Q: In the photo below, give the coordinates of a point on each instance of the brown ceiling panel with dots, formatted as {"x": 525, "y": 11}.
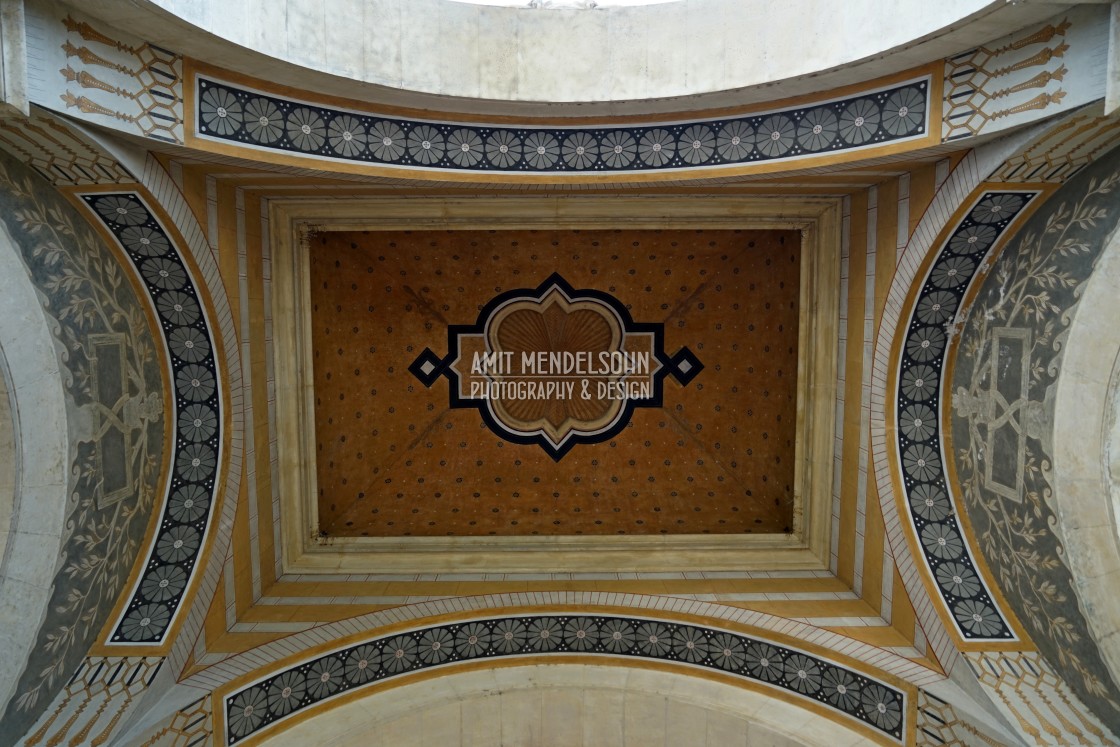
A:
{"x": 395, "y": 458}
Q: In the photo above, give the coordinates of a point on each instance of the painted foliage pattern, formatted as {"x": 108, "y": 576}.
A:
{"x": 919, "y": 401}
{"x": 96, "y": 315}
{"x": 1003, "y": 388}
{"x": 247, "y": 117}
{"x": 873, "y": 703}
{"x": 198, "y": 419}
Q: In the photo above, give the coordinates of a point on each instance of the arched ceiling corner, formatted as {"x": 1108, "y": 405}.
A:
{"x": 92, "y": 432}
{"x": 940, "y": 308}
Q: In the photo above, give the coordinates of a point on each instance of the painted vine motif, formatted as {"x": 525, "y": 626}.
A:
{"x": 1003, "y": 387}
{"x": 113, "y": 387}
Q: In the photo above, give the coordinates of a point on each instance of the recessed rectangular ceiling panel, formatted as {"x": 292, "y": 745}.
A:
{"x": 554, "y": 382}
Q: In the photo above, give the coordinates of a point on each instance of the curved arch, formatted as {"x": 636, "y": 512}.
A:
{"x": 8, "y": 446}
{"x": 646, "y": 57}
{"x": 602, "y": 703}
{"x": 257, "y": 117}
{"x": 199, "y": 403}
{"x": 37, "y": 528}
{"x": 290, "y": 690}
{"x": 1085, "y": 459}
{"x": 166, "y": 194}
{"x": 242, "y": 666}
{"x": 959, "y": 187}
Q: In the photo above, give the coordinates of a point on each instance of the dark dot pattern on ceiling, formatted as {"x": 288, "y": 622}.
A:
{"x": 393, "y": 460}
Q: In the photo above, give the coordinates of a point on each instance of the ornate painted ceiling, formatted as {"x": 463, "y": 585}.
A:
{"x": 318, "y": 400}
{"x": 394, "y": 457}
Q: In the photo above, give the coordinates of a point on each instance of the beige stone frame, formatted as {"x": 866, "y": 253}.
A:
{"x": 807, "y": 547}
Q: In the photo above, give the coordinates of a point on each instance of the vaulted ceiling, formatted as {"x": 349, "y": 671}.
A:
{"x": 265, "y": 488}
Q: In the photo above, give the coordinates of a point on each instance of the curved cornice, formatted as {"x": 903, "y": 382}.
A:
{"x": 444, "y": 56}
{"x": 257, "y": 120}
{"x": 702, "y": 637}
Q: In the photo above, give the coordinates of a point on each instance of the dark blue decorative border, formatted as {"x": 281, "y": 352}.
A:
{"x": 919, "y": 399}
{"x": 197, "y": 415}
{"x": 256, "y": 707}
{"x": 235, "y": 114}
{"x": 684, "y": 366}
